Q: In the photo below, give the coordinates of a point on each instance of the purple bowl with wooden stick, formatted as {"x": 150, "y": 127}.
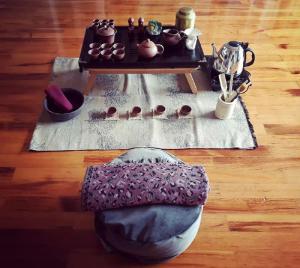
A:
{"x": 57, "y": 114}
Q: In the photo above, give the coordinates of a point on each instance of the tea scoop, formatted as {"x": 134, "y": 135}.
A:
{"x": 223, "y": 84}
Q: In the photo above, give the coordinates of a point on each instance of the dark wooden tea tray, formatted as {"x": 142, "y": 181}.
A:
{"x": 173, "y": 57}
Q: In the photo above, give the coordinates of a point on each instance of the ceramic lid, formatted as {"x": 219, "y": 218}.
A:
{"x": 148, "y": 44}
{"x": 106, "y": 31}
{"x": 186, "y": 10}
{"x": 234, "y": 43}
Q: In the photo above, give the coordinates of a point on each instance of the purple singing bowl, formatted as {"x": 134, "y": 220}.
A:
{"x": 56, "y": 114}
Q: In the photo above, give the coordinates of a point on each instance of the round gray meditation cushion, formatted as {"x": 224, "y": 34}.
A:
{"x": 149, "y": 233}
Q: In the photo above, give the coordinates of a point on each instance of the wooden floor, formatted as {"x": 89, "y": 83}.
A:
{"x": 252, "y": 218}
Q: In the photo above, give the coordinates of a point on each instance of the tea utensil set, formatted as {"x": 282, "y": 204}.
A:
{"x": 136, "y": 113}
{"x": 243, "y": 88}
{"x": 229, "y": 94}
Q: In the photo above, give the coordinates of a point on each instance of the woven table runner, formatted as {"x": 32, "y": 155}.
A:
{"x": 89, "y": 131}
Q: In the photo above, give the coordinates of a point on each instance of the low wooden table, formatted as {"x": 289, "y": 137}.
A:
{"x": 175, "y": 59}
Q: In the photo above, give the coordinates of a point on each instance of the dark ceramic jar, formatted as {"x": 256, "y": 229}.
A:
{"x": 107, "y": 34}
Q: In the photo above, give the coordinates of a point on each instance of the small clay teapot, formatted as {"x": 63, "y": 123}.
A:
{"x": 172, "y": 36}
{"x": 148, "y": 49}
{"x": 107, "y": 34}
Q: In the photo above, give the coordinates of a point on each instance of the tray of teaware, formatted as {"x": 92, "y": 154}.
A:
{"x": 177, "y": 56}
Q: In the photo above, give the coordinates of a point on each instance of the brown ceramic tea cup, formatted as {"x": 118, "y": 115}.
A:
{"x": 106, "y": 54}
{"x": 105, "y": 46}
{"x": 185, "y": 110}
{"x": 102, "y": 24}
{"x": 160, "y": 109}
{"x": 94, "y": 53}
{"x": 94, "y": 45}
{"x": 95, "y": 24}
{"x": 118, "y": 46}
{"x": 172, "y": 36}
{"x": 136, "y": 111}
{"x": 119, "y": 54}
{"x": 111, "y": 23}
{"x": 96, "y": 21}
{"x": 111, "y": 111}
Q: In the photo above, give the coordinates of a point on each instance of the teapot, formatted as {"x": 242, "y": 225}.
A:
{"x": 172, "y": 36}
{"x": 107, "y": 34}
{"x": 148, "y": 49}
{"x": 231, "y": 53}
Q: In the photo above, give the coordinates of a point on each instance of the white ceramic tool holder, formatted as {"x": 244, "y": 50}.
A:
{"x": 224, "y": 110}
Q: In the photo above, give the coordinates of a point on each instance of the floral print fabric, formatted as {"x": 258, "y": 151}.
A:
{"x": 134, "y": 184}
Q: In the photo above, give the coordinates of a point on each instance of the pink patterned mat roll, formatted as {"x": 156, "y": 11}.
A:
{"x": 56, "y": 94}
{"x": 128, "y": 185}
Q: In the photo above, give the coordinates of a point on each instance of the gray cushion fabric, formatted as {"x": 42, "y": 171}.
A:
{"x": 145, "y": 155}
{"x": 150, "y": 252}
{"x": 148, "y": 223}
{"x": 155, "y": 232}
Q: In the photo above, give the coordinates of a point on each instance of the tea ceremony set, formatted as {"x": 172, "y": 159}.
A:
{"x": 145, "y": 86}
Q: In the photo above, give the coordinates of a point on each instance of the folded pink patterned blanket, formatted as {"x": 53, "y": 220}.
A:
{"x": 134, "y": 184}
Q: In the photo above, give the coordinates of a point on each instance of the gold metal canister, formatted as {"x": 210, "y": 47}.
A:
{"x": 185, "y": 18}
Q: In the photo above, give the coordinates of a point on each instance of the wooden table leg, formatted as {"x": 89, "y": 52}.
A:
{"x": 191, "y": 82}
{"x": 94, "y": 72}
{"x": 90, "y": 83}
